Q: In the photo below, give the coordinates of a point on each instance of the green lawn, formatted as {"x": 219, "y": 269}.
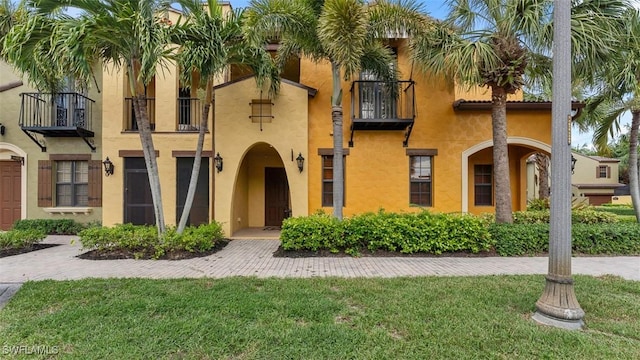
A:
{"x": 250, "y": 318}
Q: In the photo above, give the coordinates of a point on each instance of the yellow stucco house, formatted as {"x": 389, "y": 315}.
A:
{"x": 269, "y": 158}
{"x": 50, "y": 152}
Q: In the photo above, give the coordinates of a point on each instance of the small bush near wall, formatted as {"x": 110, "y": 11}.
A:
{"x": 581, "y": 216}
{"x": 616, "y": 209}
{"x": 405, "y": 233}
{"x": 51, "y": 226}
{"x": 592, "y": 239}
{"x": 18, "y": 239}
{"x": 143, "y": 241}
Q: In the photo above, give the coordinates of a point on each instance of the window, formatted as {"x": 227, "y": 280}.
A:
{"x": 70, "y": 180}
{"x": 72, "y": 183}
{"x": 327, "y": 180}
{"x": 376, "y": 100}
{"x": 603, "y": 171}
{"x": 420, "y": 178}
{"x": 483, "y": 185}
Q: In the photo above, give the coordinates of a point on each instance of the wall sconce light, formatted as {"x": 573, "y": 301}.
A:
{"x": 300, "y": 161}
{"x": 217, "y": 161}
{"x": 2, "y": 128}
{"x": 573, "y": 163}
{"x": 108, "y": 167}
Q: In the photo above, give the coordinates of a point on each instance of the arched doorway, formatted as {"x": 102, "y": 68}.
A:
{"x": 477, "y": 162}
{"x": 261, "y": 196}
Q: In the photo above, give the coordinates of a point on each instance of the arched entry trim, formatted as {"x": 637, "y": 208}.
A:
{"x": 516, "y": 140}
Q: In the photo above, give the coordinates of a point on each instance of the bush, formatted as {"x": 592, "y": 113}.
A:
{"x": 18, "y": 239}
{"x": 143, "y": 241}
{"x": 616, "y": 209}
{"x": 532, "y": 239}
{"x": 51, "y": 226}
{"x": 581, "y": 216}
{"x": 406, "y": 233}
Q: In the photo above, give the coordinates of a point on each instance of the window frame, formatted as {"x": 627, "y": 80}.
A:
{"x": 74, "y": 184}
{"x": 428, "y": 194}
{"x": 488, "y": 171}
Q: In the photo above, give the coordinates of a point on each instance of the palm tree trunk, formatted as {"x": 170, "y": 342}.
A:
{"x": 542, "y": 163}
{"x": 633, "y": 163}
{"x": 338, "y": 168}
{"x": 195, "y": 171}
{"x": 144, "y": 129}
{"x": 501, "y": 156}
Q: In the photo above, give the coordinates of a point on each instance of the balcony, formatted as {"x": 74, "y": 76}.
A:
{"x": 56, "y": 115}
{"x": 130, "y": 123}
{"x": 189, "y": 114}
{"x": 378, "y": 105}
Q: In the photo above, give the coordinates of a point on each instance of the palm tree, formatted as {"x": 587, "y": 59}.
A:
{"x": 495, "y": 43}
{"x": 127, "y": 34}
{"x": 621, "y": 93}
{"x": 347, "y": 34}
{"x": 210, "y": 42}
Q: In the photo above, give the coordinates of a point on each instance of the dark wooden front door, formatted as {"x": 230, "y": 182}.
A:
{"x": 276, "y": 196}
{"x": 138, "y": 203}
{"x": 10, "y": 192}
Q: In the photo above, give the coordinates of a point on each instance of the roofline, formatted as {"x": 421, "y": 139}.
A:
{"x": 11, "y": 85}
{"x": 312, "y": 92}
{"x": 462, "y": 104}
{"x": 598, "y": 186}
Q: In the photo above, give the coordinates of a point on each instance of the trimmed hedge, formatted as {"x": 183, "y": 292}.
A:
{"x": 18, "y": 239}
{"x": 617, "y": 209}
{"x": 582, "y": 216}
{"x": 592, "y": 239}
{"x": 143, "y": 241}
{"x": 51, "y": 226}
{"x": 406, "y": 233}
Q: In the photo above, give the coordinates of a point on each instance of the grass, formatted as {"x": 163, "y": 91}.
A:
{"x": 250, "y": 318}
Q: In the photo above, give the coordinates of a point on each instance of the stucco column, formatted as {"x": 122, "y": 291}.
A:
{"x": 558, "y": 305}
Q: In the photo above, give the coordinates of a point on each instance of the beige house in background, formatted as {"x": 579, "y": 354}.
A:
{"x": 50, "y": 152}
{"x": 595, "y": 179}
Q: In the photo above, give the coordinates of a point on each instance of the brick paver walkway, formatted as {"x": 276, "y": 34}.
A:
{"x": 254, "y": 258}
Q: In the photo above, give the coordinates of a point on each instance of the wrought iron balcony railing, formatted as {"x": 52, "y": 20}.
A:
{"x": 57, "y": 115}
{"x": 130, "y": 123}
{"x": 380, "y": 105}
{"x": 189, "y": 114}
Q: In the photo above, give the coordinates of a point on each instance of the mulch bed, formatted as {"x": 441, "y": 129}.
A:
{"x": 368, "y": 253}
{"x": 126, "y": 254}
{"x": 26, "y": 249}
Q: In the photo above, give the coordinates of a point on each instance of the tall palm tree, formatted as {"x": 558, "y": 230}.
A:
{"x": 495, "y": 43}
{"x": 346, "y": 33}
{"x": 126, "y": 34}
{"x": 210, "y": 42}
{"x": 619, "y": 94}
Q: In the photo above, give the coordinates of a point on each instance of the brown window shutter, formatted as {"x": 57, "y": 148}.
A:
{"x": 45, "y": 193}
{"x": 597, "y": 172}
{"x": 95, "y": 183}
{"x": 608, "y": 172}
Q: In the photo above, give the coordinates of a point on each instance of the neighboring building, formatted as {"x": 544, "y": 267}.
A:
{"x": 594, "y": 179}
{"x": 429, "y": 149}
{"x": 50, "y": 152}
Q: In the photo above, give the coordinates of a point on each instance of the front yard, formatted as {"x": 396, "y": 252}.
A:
{"x": 250, "y": 318}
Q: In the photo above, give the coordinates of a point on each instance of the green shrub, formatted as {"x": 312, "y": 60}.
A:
{"x": 616, "y": 209}
{"x": 581, "y": 216}
{"x": 538, "y": 204}
{"x": 18, "y": 239}
{"x": 143, "y": 241}
{"x": 315, "y": 232}
{"x": 602, "y": 238}
{"x": 51, "y": 226}
{"x": 406, "y": 233}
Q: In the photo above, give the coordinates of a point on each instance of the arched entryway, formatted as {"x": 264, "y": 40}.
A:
{"x": 477, "y": 177}
{"x": 13, "y": 185}
{"x": 261, "y": 196}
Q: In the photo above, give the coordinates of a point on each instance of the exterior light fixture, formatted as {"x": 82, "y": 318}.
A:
{"x": 2, "y": 129}
{"x": 573, "y": 163}
{"x": 217, "y": 161}
{"x": 108, "y": 167}
{"x": 300, "y": 161}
